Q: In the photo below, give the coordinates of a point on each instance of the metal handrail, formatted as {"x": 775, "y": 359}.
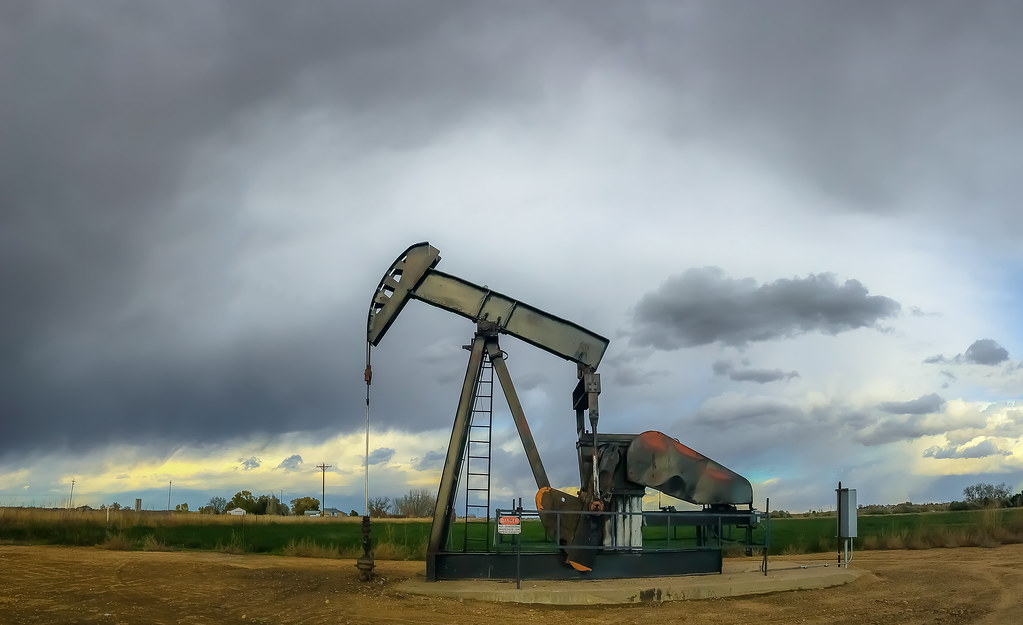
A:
{"x": 717, "y": 519}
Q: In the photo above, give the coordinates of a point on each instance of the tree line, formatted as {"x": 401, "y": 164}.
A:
{"x": 985, "y": 495}
{"x": 417, "y": 503}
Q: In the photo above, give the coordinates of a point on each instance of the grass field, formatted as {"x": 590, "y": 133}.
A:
{"x": 401, "y": 539}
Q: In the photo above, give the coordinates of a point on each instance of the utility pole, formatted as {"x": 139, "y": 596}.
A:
{"x": 169, "y": 482}
{"x": 323, "y": 470}
{"x": 71, "y": 498}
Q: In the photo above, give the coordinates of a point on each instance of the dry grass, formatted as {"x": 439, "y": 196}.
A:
{"x": 895, "y": 540}
{"x": 117, "y": 542}
{"x": 795, "y": 548}
{"x": 152, "y": 543}
{"x": 987, "y": 533}
{"x": 825, "y": 544}
{"x": 733, "y": 551}
{"x": 391, "y": 551}
{"x": 234, "y": 545}
{"x": 383, "y": 551}
{"x": 309, "y": 549}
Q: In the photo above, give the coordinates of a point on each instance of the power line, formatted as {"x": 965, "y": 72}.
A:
{"x": 323, "y": 495}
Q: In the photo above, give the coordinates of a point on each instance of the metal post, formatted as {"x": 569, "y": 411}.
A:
{"x": 838, "y": 520}
{"x": 518, "y": 548}
{"x": 365, "y": 563}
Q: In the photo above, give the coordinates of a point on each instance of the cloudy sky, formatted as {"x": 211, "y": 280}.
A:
{"x": 797, "y": 222}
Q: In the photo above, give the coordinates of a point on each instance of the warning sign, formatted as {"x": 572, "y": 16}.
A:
{"x": 509, "y": 525}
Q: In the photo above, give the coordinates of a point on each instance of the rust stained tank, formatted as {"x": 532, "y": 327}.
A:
{"x": 656, "y": 460}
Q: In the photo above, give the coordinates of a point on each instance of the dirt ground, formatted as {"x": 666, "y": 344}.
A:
{"x": 89, "y": 585}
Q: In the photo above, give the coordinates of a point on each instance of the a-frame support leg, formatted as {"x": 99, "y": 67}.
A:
{"x": 453, "y": 461}
{"x": 483, "y": 342}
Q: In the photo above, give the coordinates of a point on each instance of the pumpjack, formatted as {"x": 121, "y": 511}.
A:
{"x": 599, "y": 530}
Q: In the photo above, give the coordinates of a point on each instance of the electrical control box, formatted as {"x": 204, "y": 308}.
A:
{"x": 847, "y": 513}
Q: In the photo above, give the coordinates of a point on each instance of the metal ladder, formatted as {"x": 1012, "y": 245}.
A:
{"x": 477, "y": 462}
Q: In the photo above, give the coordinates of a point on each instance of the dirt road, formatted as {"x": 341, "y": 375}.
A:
{"x": 87, "y": 585}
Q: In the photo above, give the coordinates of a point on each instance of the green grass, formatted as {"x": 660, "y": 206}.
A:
{"x": 406, "y": 540}
{"x": 922, "y": 530}
{"x": 395, "y": 539}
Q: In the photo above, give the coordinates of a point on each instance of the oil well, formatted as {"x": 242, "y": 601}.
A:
{"x": 603, "y": 530}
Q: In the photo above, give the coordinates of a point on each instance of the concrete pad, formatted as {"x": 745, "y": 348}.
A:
{"x": 737, "y": 579}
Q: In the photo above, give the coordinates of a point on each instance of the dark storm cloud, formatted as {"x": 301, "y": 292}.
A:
{"x": 867, "y": 101}
{"x": 759, "y": 411}
{"x": 980, "y": 352}
{"x": 381, "y": 455}
{"x": 290, "y": 463}
{"x": 111, "y": 269}
{"x": 703, "y": 306}
{"x": 633, "y": 376}
{"x": 628, "y": 367}
{"x": 760, "y": 376}
{"x": 890, "y": 428}
{"x": 982, "y": 449}
{"x": 257, "y": 386}
{"x": 986, "y": 352}
{"x": 431, "y": 460}
{"x": 104, "y": 111}
{"x": 924, "y": 404}
{"x": 753, "y": 421}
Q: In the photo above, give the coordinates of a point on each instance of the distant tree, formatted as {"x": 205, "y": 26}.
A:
{"x": 269, "y": 505}
{"x": 244, "y": 500}
{"x": 276, "y": 506}
{"x": 181, "y": 507}
{"x": 113, "y": 506}
{"x": 260, "y": 506}
{"x": 217, "y": 504}
{"x": 378, "y": 506}
{"x": 987, "y": 494}
{"x": 300, "y": 505}
{"x": 353, "y": 513}
{"x": 417, "y": 503}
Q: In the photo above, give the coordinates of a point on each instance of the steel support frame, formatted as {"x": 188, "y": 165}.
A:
{"x": 442, "y": 564}
{"x": 485, "y": 340}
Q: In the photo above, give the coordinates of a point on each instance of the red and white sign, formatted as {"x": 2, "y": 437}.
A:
{"x": 509, "y": 525}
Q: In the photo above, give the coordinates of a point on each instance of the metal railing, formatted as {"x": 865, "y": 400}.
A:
{"x": 660, "y": 530}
